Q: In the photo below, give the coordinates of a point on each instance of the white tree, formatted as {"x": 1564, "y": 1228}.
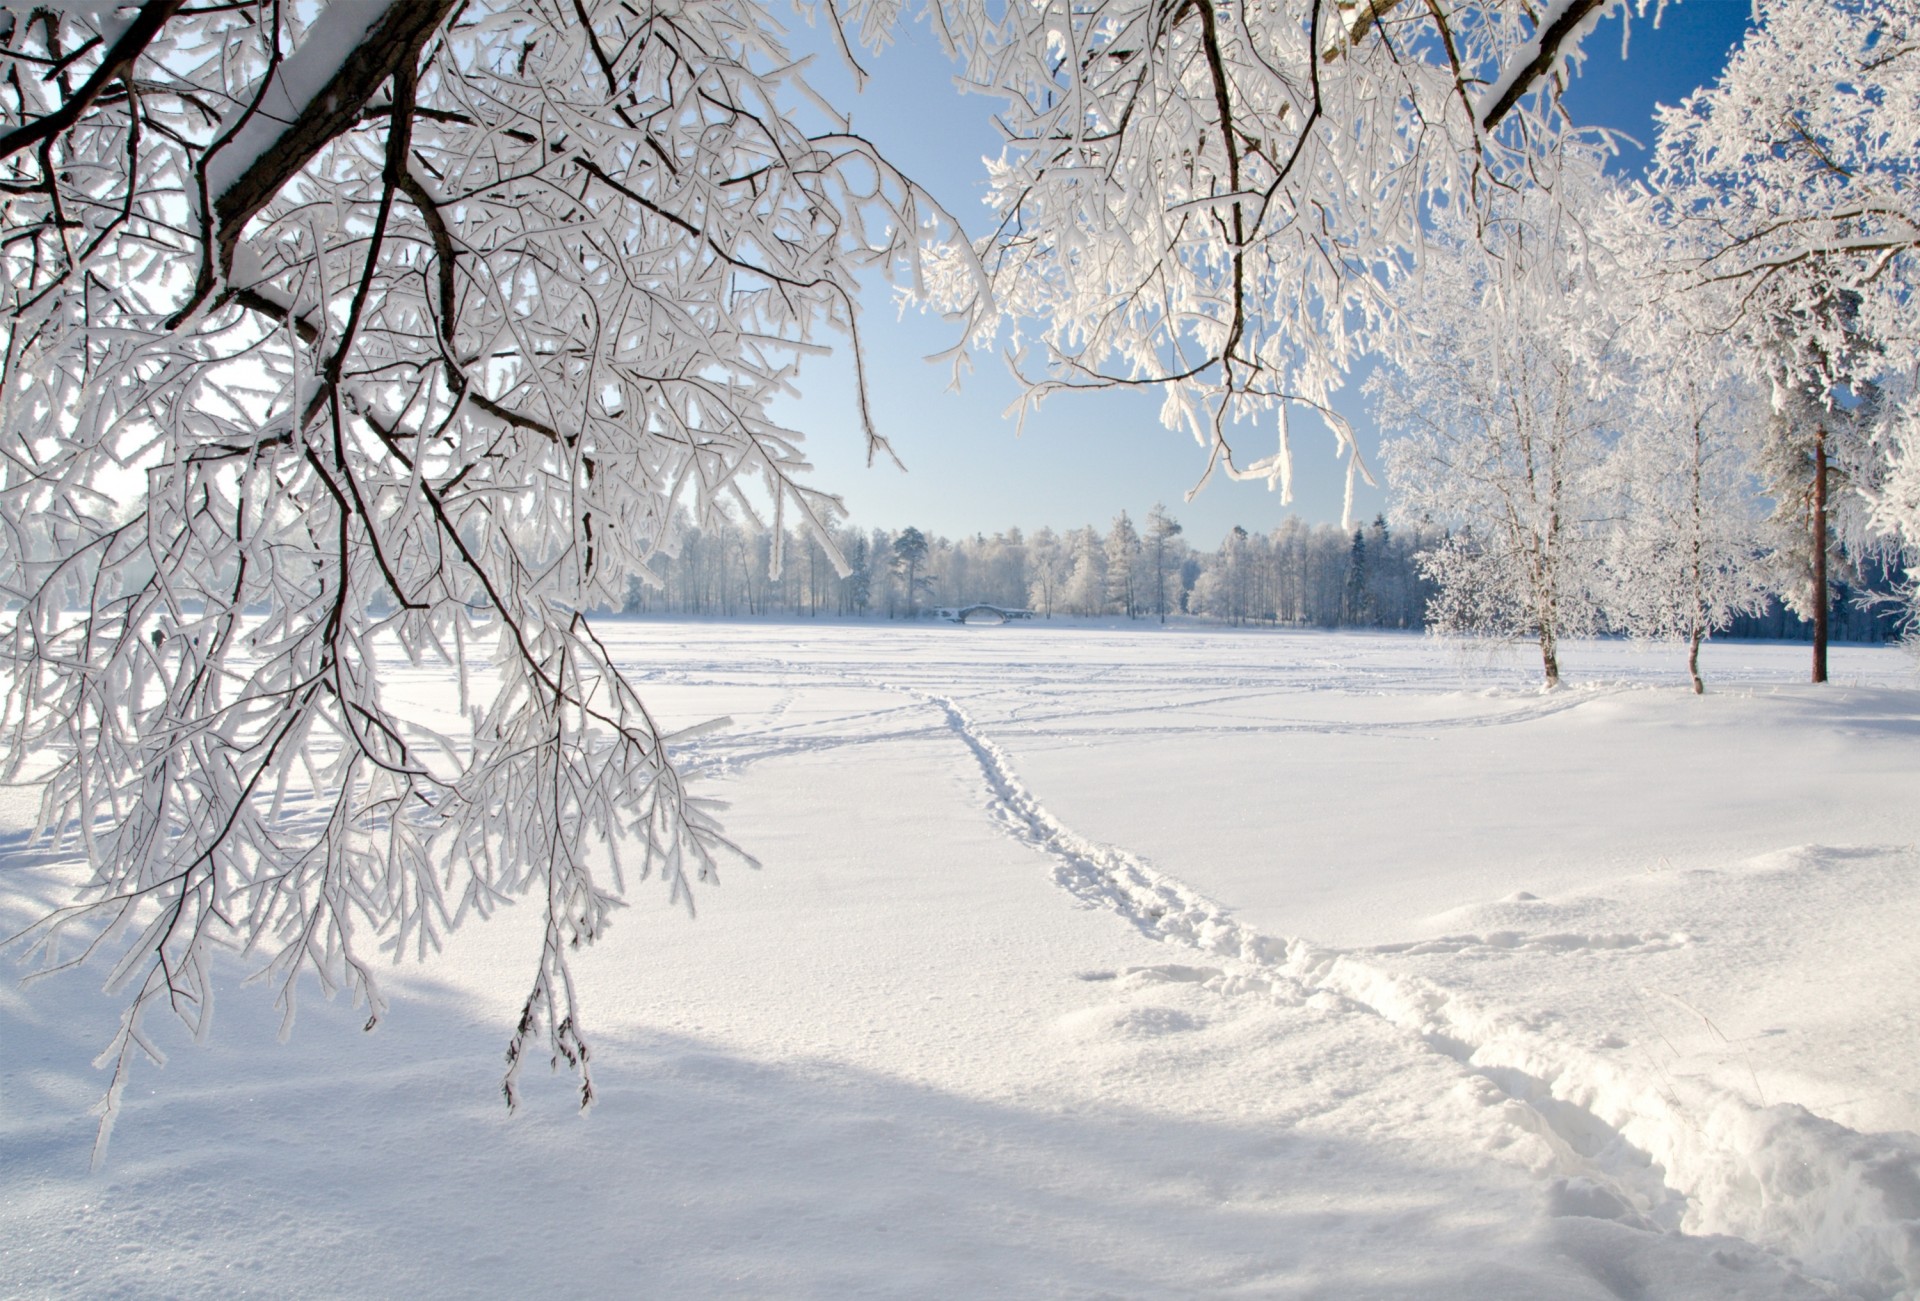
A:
{"x": 1123, "y": 567}
{"x": 386, "y": 325}
{"x": 1500, "y": 398}
{"x": 1785, "y": 195}
{"x": 1050, "y": 562}
{"x": 1686, "y": 552}
{"x": 1790, "y": 177}
{"x": 1162, "y": 529}
{"x": 1086, "y": 590}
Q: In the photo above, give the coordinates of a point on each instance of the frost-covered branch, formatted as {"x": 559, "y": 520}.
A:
{"x": 386, "y": 331}
{"x": 1210, "y": 199}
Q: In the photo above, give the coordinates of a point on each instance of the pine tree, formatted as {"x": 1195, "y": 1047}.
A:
{"x": 1357, "y": 574}
{"x": 909, "y": 554}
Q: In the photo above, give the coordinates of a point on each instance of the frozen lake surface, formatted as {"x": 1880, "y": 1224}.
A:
{"x": 1103, "y": 961}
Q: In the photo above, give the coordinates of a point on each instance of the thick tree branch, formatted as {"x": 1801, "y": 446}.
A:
{"x": 1546, "y": 53}
{"x": 117, "y": 65}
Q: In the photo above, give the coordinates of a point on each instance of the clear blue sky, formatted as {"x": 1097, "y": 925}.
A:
{"x": 1085, "y": 457}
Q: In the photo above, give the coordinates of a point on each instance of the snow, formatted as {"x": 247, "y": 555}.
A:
{"x": 1102, "y": 961}
{"x": 300, "y": 80}
{"x": 1520, "y": 62}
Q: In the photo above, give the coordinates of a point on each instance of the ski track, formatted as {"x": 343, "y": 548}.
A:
{"x": 734, "y": 754}
{"x": 1670, "y": 1156}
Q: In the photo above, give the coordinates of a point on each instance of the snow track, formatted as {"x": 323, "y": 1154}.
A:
{"x": 1654, "y": 1154}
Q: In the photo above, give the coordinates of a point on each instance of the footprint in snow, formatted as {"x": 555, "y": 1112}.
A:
{"x": 1118, "y": 1021}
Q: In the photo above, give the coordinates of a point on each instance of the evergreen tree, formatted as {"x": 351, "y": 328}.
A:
{"x": 1356, "y": 599}
{"x": 909, "y": 554}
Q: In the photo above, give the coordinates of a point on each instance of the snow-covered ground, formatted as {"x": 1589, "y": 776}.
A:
{"x": 1094, "y": 962}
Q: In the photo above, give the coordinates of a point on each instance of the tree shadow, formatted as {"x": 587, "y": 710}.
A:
{"x": 341, "y": 1163}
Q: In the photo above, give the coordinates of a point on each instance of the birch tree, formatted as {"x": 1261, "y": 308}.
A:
{"x": 1050, "y": 562}
{"x": 1499, "y": 403}
{"x": 1086, "y": 590}
{"x": 1686, "y": 552}
{"x": 1123, "y": 566}
{"x": 1162, "y": 529}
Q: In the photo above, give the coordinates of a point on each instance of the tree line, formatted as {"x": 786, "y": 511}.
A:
{"x": 1301, "y": 574}
{"x": 1297, "y": 574}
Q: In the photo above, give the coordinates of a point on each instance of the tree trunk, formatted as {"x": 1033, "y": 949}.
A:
{"x": 1820, "y": 599}
{"x": 1550, "y": 658}
{"x": 1701, "y": 616}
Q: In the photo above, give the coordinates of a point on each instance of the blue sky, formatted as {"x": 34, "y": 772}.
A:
{"x": 1085, "y": 457}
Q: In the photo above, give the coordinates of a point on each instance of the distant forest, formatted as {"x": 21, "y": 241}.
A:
{"x": 1298, "y": 575}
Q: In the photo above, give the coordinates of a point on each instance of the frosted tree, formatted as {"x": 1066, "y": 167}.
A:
{"x": 1686, "y": 553}
{"x": 1355, "y": 608}
{"x": 1816, "y": 461}
{"x": 1162, "y": 529}
{"x": 1500, "y": 405}
{"x": 910, "y": 550}
{"x": 1086, "y": 592}
{"x": 856, "y": 589}
{"x": 1785, "y": 194}
{"x": 1896, "y": 507}
{"x": 383, "y": 327}
{"x": 1123, "y": 567}
{"x": 1225, "y": 589}
{"x": 1049, "y": 563}
{"x": 1790, "y": 178}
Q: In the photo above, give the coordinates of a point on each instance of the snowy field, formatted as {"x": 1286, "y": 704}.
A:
{"x": 1103, "y": 962}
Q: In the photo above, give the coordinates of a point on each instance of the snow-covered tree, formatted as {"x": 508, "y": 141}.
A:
{"x": 1685, "y": 554}
{"x": 1785, "y": 193}
{"x": 1225, "y": 589}
{"x": 1162, "y": 529}
{"x": 1354, "y": 607}
{"x": 1086, "y": 591}
{"x": 1206, "y": 199}
{"x": 1790, "y": 178}
{"x": 910, "y": 550}
{"x": 330, "y": 332}
{"x": 1815, "y": 459}
{"x": 1123, "y": 567}
{"x": 856, "y": 589}
{"x": 1049, "y": 562}
{"x": 1500, "y": 400}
